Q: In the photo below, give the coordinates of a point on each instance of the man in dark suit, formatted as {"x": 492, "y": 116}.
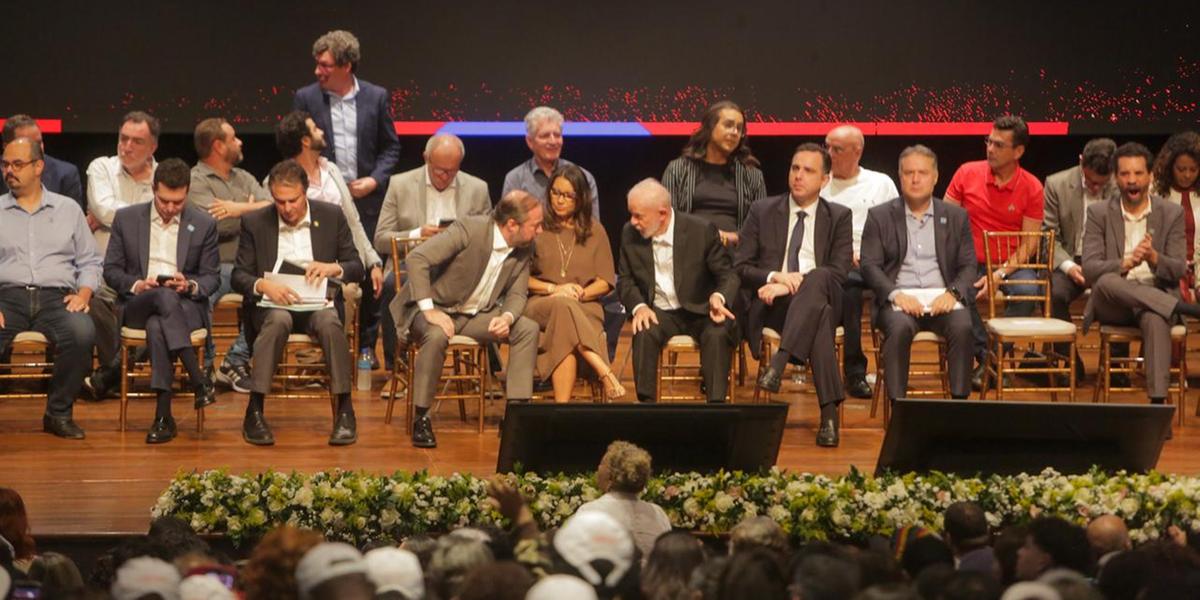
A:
{"x": 674, "y": 278}
{"x": 795, "y": 251}
{"x": 918, "y": 242}
{"x": 471, "y": 279}
{"x": 59, "y": 176}
{"x": 312, "y": 234}
{"x": 360, "y": 138}
{"x": 163, "y": 262}
{"x": 1133, "y": 258}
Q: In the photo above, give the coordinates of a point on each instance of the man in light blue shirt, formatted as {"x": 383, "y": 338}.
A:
{"x": 49, "y": 269}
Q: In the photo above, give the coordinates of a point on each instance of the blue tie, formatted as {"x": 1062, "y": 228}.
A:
{"x": 793, "y": 250}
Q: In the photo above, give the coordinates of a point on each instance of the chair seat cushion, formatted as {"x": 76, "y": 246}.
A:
{"x": 1030, "y": 326}
{"x": 774, "y": 336}
{"x": 30, "y": 337}
{"x": 682, "y": 341}
{"x": 1177, "y": 331}
{"x": 230, "y": 299}
{"x": 928, "y": 336}
{"x": 130, "y": 333}
{"x": 462, "y": 340}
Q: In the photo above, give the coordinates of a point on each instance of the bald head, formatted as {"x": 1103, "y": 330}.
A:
{"x": 1108, "y": 533}
{"x": 443, "y": 157}
{"x": 649, "y": 205}
{"x": 845, "y": 144}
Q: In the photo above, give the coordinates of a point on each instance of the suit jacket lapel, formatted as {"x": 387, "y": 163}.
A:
{"x": 779, "y": 231}
{"x": 900, "y": 222}
{"x": 821, "y": 228}
{"x": 677, "y": 250}
{"x": 270, "y": 240}
{"x": 940, "y": 233}
{"x": 1155, "y": 227}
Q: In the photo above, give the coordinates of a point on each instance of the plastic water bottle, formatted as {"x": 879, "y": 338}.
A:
{"x": 364, "y": 372}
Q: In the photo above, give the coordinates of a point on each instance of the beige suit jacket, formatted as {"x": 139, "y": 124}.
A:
{"x": 404, "y": 206}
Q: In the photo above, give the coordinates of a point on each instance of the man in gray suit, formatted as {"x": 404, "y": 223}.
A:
{"x": 164, "y": 263}
{"x": 1068, "y": 195}
{"x": 919, "y": 242}
{"x": 471, "y": 280}
{"x": 1133, "y": 258}
{"x": 420, "y": 203}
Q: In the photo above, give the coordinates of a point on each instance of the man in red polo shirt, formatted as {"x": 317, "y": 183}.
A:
{"x": 999, "y": 195}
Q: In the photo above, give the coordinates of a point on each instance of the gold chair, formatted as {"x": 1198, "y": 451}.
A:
{"x": 131, "y": 369}
{"x": 27, "y": 362}
{"x": 670, "y": 372}
{"x": 1039, "y": 330}
{"x": 930, "y": 368}
{"x": 467, "y": 372}
{"x": 770, "y": 343}
{"x": 1112, "y": 334}
{"x": 226, "y": 323}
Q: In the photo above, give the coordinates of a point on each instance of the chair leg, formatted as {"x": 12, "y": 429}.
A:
{"x": 408, "y": 389}
{"x": 199, "y": 411}
{"x": 124, "y": 384}
{"x": 1071, "y": 370}
{"x": 1105, "y": 382}
{"x": 481, "y": 369}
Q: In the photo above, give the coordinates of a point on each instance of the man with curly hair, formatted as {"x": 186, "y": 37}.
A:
{"x": 622, "y": 476}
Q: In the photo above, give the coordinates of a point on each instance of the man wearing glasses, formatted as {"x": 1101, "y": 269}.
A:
{"x": 49, "y": 269}
{"x": 999, "y": 195}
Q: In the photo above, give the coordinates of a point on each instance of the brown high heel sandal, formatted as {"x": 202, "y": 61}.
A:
{"x": 613, "y": 390}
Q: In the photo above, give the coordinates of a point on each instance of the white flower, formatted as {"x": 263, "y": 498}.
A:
{"x": 691, "y": 507}
{"x": 777, "y": 513}
{"x": 723, "y": 502}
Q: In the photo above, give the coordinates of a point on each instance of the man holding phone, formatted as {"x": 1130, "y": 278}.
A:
{"x": 164, "y": 263}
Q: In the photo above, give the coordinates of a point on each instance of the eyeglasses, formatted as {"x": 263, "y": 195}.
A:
{"x": 997, "y": 144}
{"x": 562, "y": 194}
{"x": 15, "y": 165}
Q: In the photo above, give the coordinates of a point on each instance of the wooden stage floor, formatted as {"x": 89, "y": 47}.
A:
{"x": 108, "y": 482}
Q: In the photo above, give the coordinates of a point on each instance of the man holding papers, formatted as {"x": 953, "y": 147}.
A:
{"x": 919, "y": 259}
{"x": 316, "y": 236}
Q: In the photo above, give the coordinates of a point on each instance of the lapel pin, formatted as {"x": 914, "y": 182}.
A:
{"x": 316, "y": 223}
{"x": 191, "y": 228}
{"x": 942, "y": 220}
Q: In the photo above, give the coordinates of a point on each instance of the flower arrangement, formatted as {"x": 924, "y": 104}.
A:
{"x": 360, "y": 507}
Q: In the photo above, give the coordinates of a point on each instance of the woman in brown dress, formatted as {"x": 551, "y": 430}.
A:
{"x": 572, "y": 270}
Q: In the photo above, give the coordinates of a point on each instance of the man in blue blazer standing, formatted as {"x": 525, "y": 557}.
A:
{"x": 361, "y": 140}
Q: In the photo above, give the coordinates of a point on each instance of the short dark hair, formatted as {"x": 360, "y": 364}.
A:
{"x": 207, "y": 131}
{"x": 1097, "y": 156}
{"x": 13, "y": 123}
{"x": 1015, "y": 124}
{"x": 826, "y": 160}
{"x": 288, "y": 172}
{"x": 173, "y": 173}
{"x": 1132, "y": 149}
{"x": 515, "y": 205}
{"x": 150, "y": 120}
{"x": 921, "y": 150}
{"x": 966, "y": 524}
{"x": 290, "y": 133}
{"x": 1065, "y": 542}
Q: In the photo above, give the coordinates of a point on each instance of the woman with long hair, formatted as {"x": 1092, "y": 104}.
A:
{"x": 1177, "y": 178}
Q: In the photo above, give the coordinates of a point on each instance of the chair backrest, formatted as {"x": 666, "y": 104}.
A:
{"x": 1030, "y": 251}
{"x": 401, "y": 246}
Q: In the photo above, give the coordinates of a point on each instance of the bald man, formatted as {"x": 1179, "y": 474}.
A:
{"x": 858, "y": 189}
{"x": 420, "y": 204}
{"x": 1108, "y": 537}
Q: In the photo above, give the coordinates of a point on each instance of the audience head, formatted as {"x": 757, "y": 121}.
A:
{"x": 544, "y": 134}
{"x": 965, "y": 527}
{"x": 333, "y": 571}
{"x": 1006, "y": 142}
{"x": 501, "y": 580}
{"x": 22, "y": 166}
{"x": 270, "y": 573}
{"x": 624, "y": 468}
{"x": 970, "y": 585}
{"x": 926, "y": 552}
{"x": 14, "y": 522}
{"x": 649, "y": 205}
{"x": 845, "y": 144}
{"x": 825, "y": 576}
{"x": 598, "y": 549}
{"x": 1107, "y": 534}
{"x": 670, "y": 565}
{"x": 1178, "y": 164}
{"x": 337, "y": 54}
{"x": 57, "y": 574}
{"x": 171, "y": 181}
{"x": 422, "y": 546}
{"x": 289, "y": 190}
{"x": 519, "y": 216}
{"x": 809, "y": 172}
{"x": 721, "y": 136}
{"x": 217, "y": 143}
{"x": 1053, "y": 543}
{"x": 144, "y": 577}
{"x": 756, "y": 572}
{"x": 396, "y": 570}
{"x": 918, "y": 172}
{"x": 296, "y": 132}
{"x": 1007, "y": 544}
{"x": 1132, "y": 169}
{"x": 454, "y": 557}
{"x": 22, "y": 126}
{"x": 758, "y": 532}
{"x": 569, "y": 198}
{"x": 137, "y": 141}
{"x": 1096, "y": 164}
{"x": 561, "y": 587}
{"x": 888, "y": 591}
{"x": 443, "y": 156}
{"x": 204, "y": 587}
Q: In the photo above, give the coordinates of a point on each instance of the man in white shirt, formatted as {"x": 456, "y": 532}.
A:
{"x": 472, "y": 279}
{"x": 858, "y": 189}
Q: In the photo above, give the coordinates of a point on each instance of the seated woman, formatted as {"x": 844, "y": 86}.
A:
{"x": 571, "y": 271}
{"x": 1176, "y": 171}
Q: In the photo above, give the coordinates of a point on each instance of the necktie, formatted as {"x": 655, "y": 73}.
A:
{"x": 793, "y": 250}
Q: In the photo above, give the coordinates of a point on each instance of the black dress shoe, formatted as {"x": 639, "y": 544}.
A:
{"x": 1118, "y": 380}
{"x": 770, "y": 380}
{"x": 422, "y": 433}
{"x": 63, "y": 427}
{"x": 345, "y": 430}
{"x": 827, "y": 437}
{"x": 206, "y": 394}
{"x": 858, "y": 387}
{"x": 162, "y": 431}
{"x": 255, "y": 429}
{"x": 98, "y": 387}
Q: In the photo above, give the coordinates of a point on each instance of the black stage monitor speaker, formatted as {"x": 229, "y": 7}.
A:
{"x": 970, "y": 437}
{"x": 571, "y": 438}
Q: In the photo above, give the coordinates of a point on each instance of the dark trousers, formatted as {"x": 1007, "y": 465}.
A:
{"x": 169, "y": 320}
{"x": 716, "y": 342}
{"x": 272, "y": 333}
{"x": 103, "y": 311}
{"x": 387, "y": 324}
{"x": 854, "y": 362}
{"x": 807, "y": 331}
{"x": 73, "y": 335}
{"x": 899, "y": 329}
{"x": 1011, "y": 309}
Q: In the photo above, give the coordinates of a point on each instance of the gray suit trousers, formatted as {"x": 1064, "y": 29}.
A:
{"x": 898, "y": 331}
{"x": 1119, "y": 301}
{"x": 522, "y": 352}
{"x": 278, "y": 324}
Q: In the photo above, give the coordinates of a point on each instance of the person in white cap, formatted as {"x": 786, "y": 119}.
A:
{"x": 396, "y": 570}
{"x": 143, "y": 576}
{"x": 204, "y": 587}
{"x": 598, "y": 549}
{"x": 561, "y": 587}
{"x": 333, "y": 571}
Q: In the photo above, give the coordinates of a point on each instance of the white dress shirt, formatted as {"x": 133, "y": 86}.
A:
{"x": 860, "y": 193}
{"x": 808, "y": 256}
{"x": 662, "y": 246}
{"x": 164, "y": 244}
{"x": 487, "y": 283}
{"x": 439, "y": 204}
{"x": 295, "y": 241}
{"x": 343, "y": 114}
{"x": 323, "y": 188}
{"x": 109, "y": 188}
{"x": 1135, "y": 231}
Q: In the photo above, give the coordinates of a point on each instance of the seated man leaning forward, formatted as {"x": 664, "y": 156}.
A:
{"x": 472, "y": 279}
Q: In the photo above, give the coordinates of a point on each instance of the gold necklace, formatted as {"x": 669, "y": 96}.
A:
{"x": 564, "y": 254}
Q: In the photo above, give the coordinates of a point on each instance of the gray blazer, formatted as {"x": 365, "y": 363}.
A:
{"x": 404, "y": 206}
{"x": 449, "y": 266}
{"x": 1063, "y": 194}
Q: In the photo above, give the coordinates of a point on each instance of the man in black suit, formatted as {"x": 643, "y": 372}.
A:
{"x": 59, "y": 176}
{"x": 163, "y": 262}
{"x": 674, "y": 277}
{"x": 360, "y": 137}
{"x": 795, "y": 251}
{"x": 918, "y": 242}
{"x": 312, "y": 234}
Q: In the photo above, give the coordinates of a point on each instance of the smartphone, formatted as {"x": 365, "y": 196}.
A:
{"x": 163, "y": 279}
{"x": 444, "y": 223}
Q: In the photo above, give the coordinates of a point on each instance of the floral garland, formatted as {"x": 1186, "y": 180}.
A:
{"x": 359, "y": 507}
